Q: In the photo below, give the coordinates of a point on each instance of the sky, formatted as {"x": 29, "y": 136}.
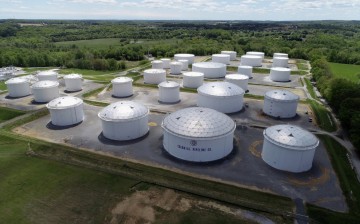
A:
{"x": 278, "y": 10}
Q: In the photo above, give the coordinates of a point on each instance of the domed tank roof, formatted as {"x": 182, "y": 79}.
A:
{"x": 281, "y": 95}
{"x": 193, "y": 74}
{"x": 209, "y": 65}
{"x": 281, "y": 69}
{"x": 184, "y": 55}
{"x": 198, "y": 122}
{"x": 156, "y": 62}
{"x": 44, "y": 84}
{"x": 221, "y": 55}
{"x": 176, "y": 63}
{"x": 251, "y": 56}
{"x": 169, "y": 84}
{"x": 292, "y": 137}
{"x": 73, "y": 76}
{"x": 237, "y": 76}
{"x": 47, "y": 73}
{"x": 123, "y": 111}
{"x": 64, "y": 102}
{"x": 16, "y": 80}
{"x": 120, "y": 80}
{"x": 155, "y": 71}
{"x": 220, "y": 89}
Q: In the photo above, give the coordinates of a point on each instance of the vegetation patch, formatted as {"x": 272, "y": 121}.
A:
{"x": 7, "y": 113}
{"x": 310, "y": 89}
{"x": 323, "y": 116}
{"x": 346, "y": 71}
{"x": 3, "y": 85}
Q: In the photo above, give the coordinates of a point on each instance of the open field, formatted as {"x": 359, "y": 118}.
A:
{"x": 7, "y": 113}
{"x": 350, "y": 72}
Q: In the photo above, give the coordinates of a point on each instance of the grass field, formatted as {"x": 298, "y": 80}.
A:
{"x": 323, "y": 117}
{"x": 350, "y": 72}
{"x": 34, "y": 69}
{"x": 7, "y": 113}
{"x": 310, "y": 88}
{"x": 3, "y": 85}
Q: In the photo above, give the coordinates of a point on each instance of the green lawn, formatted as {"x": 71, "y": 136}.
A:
{"x": 310, "y": 88}
{"x": 3, "y": 85}
{"x": 91, "y": 74}
{"x": 7, "y": 113}
{"x": 34, "y": 69}
{"x": 323, "y": 117}
{"x": 346, "y": 71}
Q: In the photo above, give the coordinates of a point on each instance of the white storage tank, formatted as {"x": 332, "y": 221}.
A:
{"x": 166, "y": 63}
{"x": 169, "y": 92}
{"x": 239, "y": 80}
{"x": 176, "y": 67}
{"x": 157, "y": 64}
{"x": 221, "y": 58}
{"x": 256, "y": 53}
{"x": 231, "y": 53}
{"x": 193, "y": 79}
{"x": 185, "y": 64}
{"x": 154, "y": 76}
{"x": 45, "y": 91}
{"x": 251, "y": 60}
{"x": 245, "y": 70}
{"x": 221, "y": 96}
{"x": 198, "y": 134}
{"x": 66, "y": 110}
{"x": 124, "y": 120}
{"x": 280, "y": 103}
{"x": 189, "y": 57}
{"x": 73, "y": 82}
{"x": 278, "y": 74}
{"x": 283, "y": 55}
{"x": 289, "y": 148}
{"x": 280, "y": 62}
{"x": 122, "y": 87}
{"x": 18, "y": 87}
{"x": 50, "y": 75}
{"x": 210, "y": 69}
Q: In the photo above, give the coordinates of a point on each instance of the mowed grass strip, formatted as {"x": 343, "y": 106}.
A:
{"x": 323, "y": 117}
{"x": 7, "y": 113}
{"x": 346, "y": 71}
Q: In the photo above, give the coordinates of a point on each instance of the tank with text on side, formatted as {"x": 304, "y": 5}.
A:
{"x": 210, "y": 69}
{"x": 193, "y": 79}
{"x": 245, "y": 70}
{"x": 45, "y": 91}
{"x": 66, "y": 110}
{"x": 18, "y": 87}
{"x": 50, "y": 75}
{"x": 231, "y": 53}
{"x": 122, "y": 87}
{"x": 280, "y": 103}
{"x": 185, "y": 64}
{"x": 221, "y": 58}
{"x": 239, "y": 80}
{"x": 154, "y": 76}
{"x": 176, "y": 67}
{"x": 183, "y": 56}
{"x": 251, "y": 60}
{"x": 224, "y": 97}
{"x": 166, "y": 62}
{"x": 157, "y": 64}
{"x": 73, "y": 82}
{"x": 289, "y": 148}
{"x": 278, "y": 74}
{"x": 198, "y": 134}
{"x": 280, "y": 62}
{"x": 169, "y": 92}
{"x": 124, "y": 120}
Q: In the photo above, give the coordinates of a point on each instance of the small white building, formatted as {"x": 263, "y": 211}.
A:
{"x": 176, "y": 67}
{"x": 185, "y": 65}
{"x": 193, "y": 79}
{"x": 251, "y": 60}
{"x": 154, "y": 76}
{"x": 124, "y": 120}
{"x": 169, "y": 92}
{"x": 18, "y": 87}
{"x": 280, "y": 62}
{"x": 231, "y": 53}
{"x": 122, "y": 87}
{"x": 221, "y": 96}
{"x": 239, "y": 80}
{"x": 198, "y": 134}
{"x": 66, "y": 110}
{"x": 245, "y": 70}
{"x": 189, "y": 57}
{"x": 50, "y": 75}
{"x": 221, "y": 58}
{"x": 278, "y": 74}
{"x": 45, "y": 91}
{"x": 289, "y": 148}
{"x": 256, "y": 53}
{"x": 166, "y": 63}
{"x": 210, "y": 69}
{"x": 157, "y": 64}
{"x": 73, "y": 82}
{"x": 280, "y": 103}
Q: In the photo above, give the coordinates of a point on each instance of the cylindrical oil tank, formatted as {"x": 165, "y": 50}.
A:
{"x": 231, "y": 53}
{"x": 166, "y": 63}
{"x": 189, "y": 57}
{"x": 280, "y": 62}
{"x": 239, "y": 80}
{"x": 283, "y": 55}
{"x": 154, "y": 76}
{"x": 278, "y": 74}
{"x": 176, "y": 67}
{"x": 256, "y": 53}
{"x": 169, "y": 92}
{"x": 122, "y": 87}
{"x": 280, "y": 103}
{"x": 45, "y": 91}
{"x": 50, "y": 75}
{"x": 289, "y": 148}
{"x": 73, "y": 82}
{"x": 193, "y": 79}
{"x": 198, "y": 134}
{"x": 221, "y": 96}
{"x": 210, "y": 69}
{"x": 124, "y": 120}
{"x": 18, "y": 87}
{"x": 185, "y": 64}
{"x": 221, "y": 58}
{"x": 66, "y": 110}
{"x": 251, "y": 60}
{"x": 157, "y": 64}
{"x": 245, "y": 70}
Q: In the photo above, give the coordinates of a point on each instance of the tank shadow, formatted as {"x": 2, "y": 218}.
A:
{"x": 108, "y": 141}
{"x": 51, "y": 126}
